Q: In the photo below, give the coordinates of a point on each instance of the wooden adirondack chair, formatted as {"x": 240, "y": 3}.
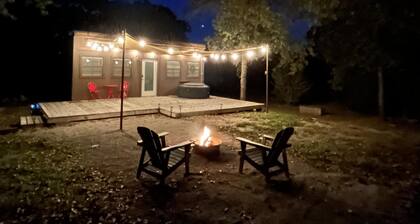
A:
{"x": 162, "y": 160}
{"x": 264, "y": 158}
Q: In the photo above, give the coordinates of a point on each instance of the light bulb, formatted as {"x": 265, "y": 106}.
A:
{"x": 263, "y": 49}
{"x": 120, "y": 40}
{"x": 142, "y": 43}
{"x": 223, "y": 57}
{"x": 234, "y": 56}
{"x": 250, "y": 54}
{"x": 216, "y": 57}
{"x": 170, "y": 50}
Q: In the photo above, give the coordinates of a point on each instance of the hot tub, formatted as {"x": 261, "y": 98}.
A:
{"x": 193, "y": 90}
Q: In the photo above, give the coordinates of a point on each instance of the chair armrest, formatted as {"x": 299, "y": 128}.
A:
{"x": 256, "y": 144}
{"x": 267, "y": 137}
{"x": 161, "y": 136}
{"x": 180, "y": 145}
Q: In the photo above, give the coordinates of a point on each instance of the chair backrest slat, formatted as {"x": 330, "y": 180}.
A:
{"x": 279, "y": 144}
{"x": 151, "y": 143}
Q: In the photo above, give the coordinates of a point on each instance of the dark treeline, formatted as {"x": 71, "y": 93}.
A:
{"x": 37, "y": 48}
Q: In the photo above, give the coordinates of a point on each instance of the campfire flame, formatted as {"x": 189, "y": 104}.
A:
{"x": 205, "y": 139}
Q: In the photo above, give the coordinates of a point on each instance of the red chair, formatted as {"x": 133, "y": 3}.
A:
{"x": 94, "y": 93}
{"x": 125, "y": 89}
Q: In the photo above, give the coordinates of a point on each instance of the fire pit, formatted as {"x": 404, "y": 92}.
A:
{"x": 208, "y": 146}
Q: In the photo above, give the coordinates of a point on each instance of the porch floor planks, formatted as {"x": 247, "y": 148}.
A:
{"x": 67, "y": 111}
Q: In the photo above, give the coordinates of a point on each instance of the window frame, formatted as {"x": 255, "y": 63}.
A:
{"x": 130, "y": 64}
{"x": 189, "y": 63}
{"x": 179, "y": 71}
{"x": 91, "y": 75}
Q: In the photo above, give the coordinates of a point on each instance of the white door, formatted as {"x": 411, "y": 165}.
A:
{"x": 149, "y": 77}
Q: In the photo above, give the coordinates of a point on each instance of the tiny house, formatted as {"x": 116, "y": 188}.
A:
{"x": 151, "y": 68}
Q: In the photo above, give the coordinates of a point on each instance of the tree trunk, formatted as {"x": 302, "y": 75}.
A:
{"x": 381, "y": 110}
{"x": 244, "y": 68}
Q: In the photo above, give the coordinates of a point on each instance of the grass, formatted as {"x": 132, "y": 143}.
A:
{"x": 39, "y": 182}
{"x": 333, "y": 147}
{"x": 262, "y": 123}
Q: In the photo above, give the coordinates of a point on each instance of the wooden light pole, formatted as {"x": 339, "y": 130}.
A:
{"x": 266, "y": 78}
{"x": 122, "y": 81}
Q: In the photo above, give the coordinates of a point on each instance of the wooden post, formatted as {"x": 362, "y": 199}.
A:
{"x": 266, "y": 79}
{"x": 243, "y": 77}
{"x": 122, "y": 83}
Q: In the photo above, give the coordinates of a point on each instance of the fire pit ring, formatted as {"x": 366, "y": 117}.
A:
{"x": 212, "y": 151}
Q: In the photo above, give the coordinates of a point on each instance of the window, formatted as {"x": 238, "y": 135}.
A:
{"x": 193, "y": 69}
{"x": 91, "y": 66}
{"x": 173, "y": 68}
{"x": 117, "y": 67}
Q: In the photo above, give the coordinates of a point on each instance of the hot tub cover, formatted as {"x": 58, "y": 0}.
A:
{"x": 193, "y": 90}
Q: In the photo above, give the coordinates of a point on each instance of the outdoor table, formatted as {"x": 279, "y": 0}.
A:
{"x": 110, "y": 90}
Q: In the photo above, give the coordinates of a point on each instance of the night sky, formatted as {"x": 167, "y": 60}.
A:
{"x": 201, "y": 24}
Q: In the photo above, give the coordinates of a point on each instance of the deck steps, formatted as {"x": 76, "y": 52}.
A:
{"x": 31, "y": 120}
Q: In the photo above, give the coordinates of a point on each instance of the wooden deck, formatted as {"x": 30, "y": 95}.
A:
{"x": 172, "y": 106}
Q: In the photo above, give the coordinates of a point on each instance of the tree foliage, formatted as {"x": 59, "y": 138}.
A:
{"x": 371, "y": 36}
{"x": 40, "y": 4}
{"x": 46, "y": 40}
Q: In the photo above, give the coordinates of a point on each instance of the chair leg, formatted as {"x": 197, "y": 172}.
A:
{"x": 140, "y": 167}
{"x": 241, "y": 163}
{"x": 187, "y": 160}
{"x": 286, "y": 165}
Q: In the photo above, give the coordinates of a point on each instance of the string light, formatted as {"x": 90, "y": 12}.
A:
{"x": 196, "y": 55}
{"x": 135, "y": 53}
{"x": 152, "y": 54}
{"x": 120, "y": 40}
{"x": 263, "y": 49}
{"x": 170, "y": 50}
{"x": 250, "y": 54}
{"x": 234, "y": 56}
{"x": 142, "y": 43}
{"x": 216, "y": 57}
{"x": 94, "y": 46}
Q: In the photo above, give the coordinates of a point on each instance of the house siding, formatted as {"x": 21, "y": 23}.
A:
{"x": 165, "y": 85}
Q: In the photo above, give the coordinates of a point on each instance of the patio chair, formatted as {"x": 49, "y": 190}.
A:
{"x": 93, "y": 91}
{"x": 264, "y": 158}
{"x": 125, "y": 89}
{"x": 162, "y": 160}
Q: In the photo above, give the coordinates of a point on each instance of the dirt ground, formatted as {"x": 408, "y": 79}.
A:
{"x": 344, "y": 170}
